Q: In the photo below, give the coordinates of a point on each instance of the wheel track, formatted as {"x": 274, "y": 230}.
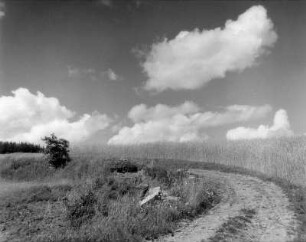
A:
{"x": 274, "y": 221}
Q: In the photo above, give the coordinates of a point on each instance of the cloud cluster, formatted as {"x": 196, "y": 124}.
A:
{"x": 280, "y": 128}
{"x": 193, "y": 58}
{"x": 29, "y": 117}
{"x": 183, "y": 123}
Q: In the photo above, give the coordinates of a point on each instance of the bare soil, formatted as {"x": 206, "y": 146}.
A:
{"x": 271, "y": 217}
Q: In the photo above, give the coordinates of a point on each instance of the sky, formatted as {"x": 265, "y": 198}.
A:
{"x": 125, "y": 72}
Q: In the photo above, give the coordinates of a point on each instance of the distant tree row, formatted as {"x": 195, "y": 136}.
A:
{"x": 12, "y": 147}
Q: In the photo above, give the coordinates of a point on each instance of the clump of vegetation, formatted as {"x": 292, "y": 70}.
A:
{"x": 123, "y": 166}
{"x": 164, "y": 176}
{"x": 57, "y": 151}
{"x": 80, "y": 208}
{"x": 113, "y": 201}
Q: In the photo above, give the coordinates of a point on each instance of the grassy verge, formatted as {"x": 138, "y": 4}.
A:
{"x": 24, "y": 167}
{"x": 103, "y": 205}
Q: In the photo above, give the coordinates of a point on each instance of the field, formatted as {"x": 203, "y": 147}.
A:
{"x": 99, "y": 204}
{"x": 283, "y": 158}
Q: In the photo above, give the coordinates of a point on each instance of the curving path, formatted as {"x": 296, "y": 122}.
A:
{"x": 251, "y": 210}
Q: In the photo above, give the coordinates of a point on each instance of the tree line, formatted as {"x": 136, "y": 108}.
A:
{"x": 12, "y": 147}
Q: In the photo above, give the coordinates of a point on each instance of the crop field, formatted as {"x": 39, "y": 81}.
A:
{"x": 283, "y": 158}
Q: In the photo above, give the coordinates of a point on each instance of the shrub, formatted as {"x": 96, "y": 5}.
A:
{"x": 123, "y": 166}
{"x": 158, "y": 173}
{"x": 57, "y": 151}
{"x": 80, "y": 208}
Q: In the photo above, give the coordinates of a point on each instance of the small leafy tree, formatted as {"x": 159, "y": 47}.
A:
{"x": 57, "y": 151}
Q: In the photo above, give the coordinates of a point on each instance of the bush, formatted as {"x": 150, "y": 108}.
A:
{"x": 81, "y": 208}
{"x": 123, "y": 166}
{"x": 158, "y": 173}
{"x": 57, "y": 151}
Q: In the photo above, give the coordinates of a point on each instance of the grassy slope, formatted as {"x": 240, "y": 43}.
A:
{"x": 99, "y": 206}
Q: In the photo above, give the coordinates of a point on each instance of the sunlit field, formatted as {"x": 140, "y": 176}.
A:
{"x": 280, "y": 158}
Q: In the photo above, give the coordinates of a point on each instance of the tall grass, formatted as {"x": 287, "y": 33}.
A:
{"x": 283, "y": 158}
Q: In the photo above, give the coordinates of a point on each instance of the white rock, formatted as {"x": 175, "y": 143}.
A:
{"x": 153, "y": 193}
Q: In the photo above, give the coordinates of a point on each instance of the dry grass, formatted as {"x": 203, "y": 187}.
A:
{"x": 99, "y": 205}
{"x": 283, "y": 158}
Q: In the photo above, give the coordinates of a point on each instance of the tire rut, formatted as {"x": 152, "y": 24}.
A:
{"x": 273, "y": 221}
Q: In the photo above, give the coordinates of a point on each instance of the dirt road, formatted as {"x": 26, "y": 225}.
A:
{"x": 251, "y": 210}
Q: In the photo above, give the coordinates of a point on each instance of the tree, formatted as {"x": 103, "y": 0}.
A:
{"x": 57, "y": 151}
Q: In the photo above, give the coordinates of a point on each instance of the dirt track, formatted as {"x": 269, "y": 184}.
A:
{"x": 272, "y": 219}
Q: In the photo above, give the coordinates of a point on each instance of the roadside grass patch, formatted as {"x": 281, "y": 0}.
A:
{"x": 103, "y": 203}
{"x": 25, "y": 168}
{"x": 26, "y": 215}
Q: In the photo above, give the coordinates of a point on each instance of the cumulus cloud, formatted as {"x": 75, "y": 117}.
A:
{"x": 193, "y": 58}
{"x": 279, "y": 128}
{"x": 29, "y": 117}
{"x": 183, "y": 123}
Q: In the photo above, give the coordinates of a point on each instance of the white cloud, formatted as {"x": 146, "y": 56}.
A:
{"x": 111, "y": 75}
{"x": 29, "y": 117}
{"x": 280, "y": 128}
{"x": 183, "y": 123}
{"x": 193, "y": 58}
